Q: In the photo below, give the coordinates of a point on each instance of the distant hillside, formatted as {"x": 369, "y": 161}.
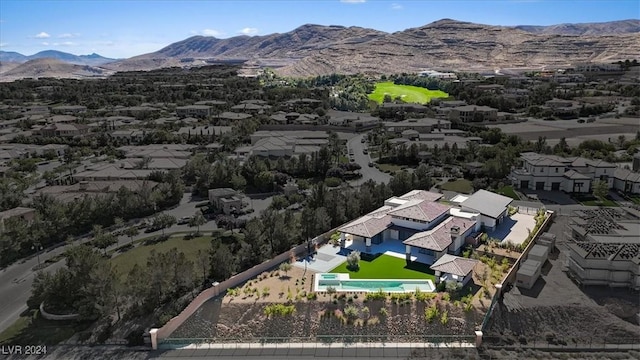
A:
{"x": 40, "y": 68}
{"x": 316, "y": 49}
{"x": 606, "y": 28}
{"x": 92, "y": 59}
{"x": 311, "y": 50}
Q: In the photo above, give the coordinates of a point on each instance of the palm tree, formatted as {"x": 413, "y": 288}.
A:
{"x": 197, "y": 221}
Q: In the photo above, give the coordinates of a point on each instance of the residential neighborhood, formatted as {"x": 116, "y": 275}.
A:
{"x": 175, "y": 207}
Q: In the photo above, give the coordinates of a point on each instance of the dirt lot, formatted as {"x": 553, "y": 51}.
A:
{"x": 556, "y": 310}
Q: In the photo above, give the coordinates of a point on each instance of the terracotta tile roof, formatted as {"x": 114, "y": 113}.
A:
{"x": 439, "y": 238}
{"x": 422, "y": 210}
{"x": 454, "y": 265}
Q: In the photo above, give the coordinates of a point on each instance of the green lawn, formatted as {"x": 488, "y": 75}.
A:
{"x": 124, "y": 262}
{"x": 508, "y": 191}
{"x": 30, "y": 328}
{"x": 461, "y": 185}
{"x": 389, "y": 167}
{"x": 387, "y": 267}
{"x": 409, "y": 94}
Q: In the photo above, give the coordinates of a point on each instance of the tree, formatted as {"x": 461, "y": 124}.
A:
{"x": 131, "y": 232}
{"x": 353, "y": 260}
{"x": 197, "y": 221}
{"x": 102, "y": 239}
{"x": 601, "y": 190}
{"x": 202, "y": 261}
{"x": 285, "y": 267}
{"x": 163, "y": 221}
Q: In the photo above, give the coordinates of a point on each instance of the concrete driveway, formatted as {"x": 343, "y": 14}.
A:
{"x": 368, "y": 173}
{"x": 16, "y": 279}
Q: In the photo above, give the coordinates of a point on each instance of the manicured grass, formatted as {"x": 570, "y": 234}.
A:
{"x": 389, "y": 167}
{"x": 508, "y": 191}
{"x": 461, "y": 185}
{"x": 125, "y": 262}
{"x": 32, "y": 329}
{"x": 409, "y": 94}
{"x": 387, "y": 267}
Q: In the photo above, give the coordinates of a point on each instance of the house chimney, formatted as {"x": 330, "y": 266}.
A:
{"x": 455, "y": 230}
{"x": 83, "y": 185}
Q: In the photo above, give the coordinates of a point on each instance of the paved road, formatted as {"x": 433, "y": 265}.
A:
{"x": 368, "y": 173}
{"x": 16, "y": 280}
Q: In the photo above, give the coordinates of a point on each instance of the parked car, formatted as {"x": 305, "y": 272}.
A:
{"x": 184, "y": 220}
{"x": 365, "y": 151}
{"x": 371, "y": 164}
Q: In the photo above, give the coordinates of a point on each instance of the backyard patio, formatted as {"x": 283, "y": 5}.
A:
{"x": 514, "y": 229}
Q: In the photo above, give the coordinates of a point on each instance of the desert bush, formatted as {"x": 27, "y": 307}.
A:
{"x": 444, "y": 318}
{"x": 279, "y": 310}
{"x": 446, "y": 297}
{"x": 431, "y": 313}
{"x": 378, "y": 295}
{"x": 265, "y": 291}
{"x": 351, "y": 312}
{"x": 383, "y": 312}
{"x": 312, "y": 296}
{"x": 331, "y": 290}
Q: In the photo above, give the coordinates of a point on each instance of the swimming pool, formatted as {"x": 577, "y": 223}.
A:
{"x": 342, "y": 282}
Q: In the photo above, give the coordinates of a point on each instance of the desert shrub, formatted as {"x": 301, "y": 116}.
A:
{"x": 446, "y": 297}
{"x": 378, "y": 295}
{"x": 365, "y": 312}
{"x": 442, "y": 286}
{"x": 444, "y": 318}
{"x": 383, "y": 312}
{"x": 331, "y": 290}
{"x": 452, "y": 287}
{"x": 351, "y": 312}
{"x": 265, "y": 291}
{"x": 312, "y": 296}
{"x": 279, "y": 310}
{"x": 353, "y": 260}
{"x": 431, "y": 313}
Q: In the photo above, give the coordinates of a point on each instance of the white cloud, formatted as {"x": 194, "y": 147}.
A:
{"x": 45, "y": 43}
{"x": 353, "y": 1}
{"x": 211, "y": 32}
{"x": 249, "y": 31}
{"x": 42, "y": 35}
{"x": 396, "y": 6}
{"x": 64, "y": 43}
{"x": 3, "y": 45}
{"x": 68, "y": 35}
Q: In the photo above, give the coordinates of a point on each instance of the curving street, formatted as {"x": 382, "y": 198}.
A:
{"x": 16, "y": 279}
{"x": 368, "y": 173}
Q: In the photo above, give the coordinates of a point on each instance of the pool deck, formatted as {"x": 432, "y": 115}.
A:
{"x": 327, "y": 259}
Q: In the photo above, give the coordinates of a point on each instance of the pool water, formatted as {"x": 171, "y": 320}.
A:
{"x": 342, "y": 282}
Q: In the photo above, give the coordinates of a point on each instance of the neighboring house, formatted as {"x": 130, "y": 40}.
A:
{"x": 492, "y": 207}
{"x": 451, "y": 268}
{"x": 201, "y": 111}
{"x": 63, "y": 130}
{"x": 226, "y": 200}
{"x": 423, "y": 126}
{"x": 473, "y": 113}
{"x": 68, "y": 109}
{"x": 131, "y": 136}
{"x": 251, "y": 108}
{"x": 109, "y": 172}
{"x": 604, "y": 247}
{"x": 556, "y": 173}
{"x": 77, "y": 191}
{"x": 281, "y": 147}
{"x": 207, "y": 130}
{"x": 626, "y": 181}
{"x": 24, "y": 213}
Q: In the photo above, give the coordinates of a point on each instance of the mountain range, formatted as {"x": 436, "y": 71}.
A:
{"x": 447, "y": 44}
{"x": 92, "y": 59}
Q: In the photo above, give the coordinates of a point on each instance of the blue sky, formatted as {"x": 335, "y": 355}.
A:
{"x": 119, "y": 28}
